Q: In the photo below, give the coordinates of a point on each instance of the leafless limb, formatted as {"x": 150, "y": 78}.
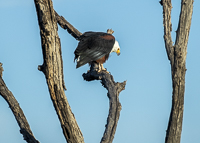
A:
{"x": 167, "y": 7}
{"x": 113, "y": 94}
{"x": 107, "y": 81}
{"x": 67, "y": 26}
{"x": 177, "y": 57}
{"x": 17, "y": 111}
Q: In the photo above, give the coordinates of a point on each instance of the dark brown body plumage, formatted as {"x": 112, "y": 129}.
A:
{"x": 93, "y": 46}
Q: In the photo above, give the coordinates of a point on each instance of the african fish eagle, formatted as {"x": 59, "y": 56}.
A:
{"x": 95, "y": 47}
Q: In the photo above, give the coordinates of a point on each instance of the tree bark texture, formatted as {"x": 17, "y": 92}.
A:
{"x": 17, "y": 111}
{"x": 67, "y": 26}
{"x": 53, "y": 70}
{"x": 113, "y": 94}
{"x": 177, "y": 56}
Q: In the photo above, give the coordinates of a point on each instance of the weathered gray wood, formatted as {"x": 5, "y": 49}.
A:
{"x": 167, "y": 7}
{"x": 177, "y": 57}
{"x": 16, "y": 110}
{"x": 113, "y": 94}
{"x": 67, "y": 26}
{"x": 53, "y": 70}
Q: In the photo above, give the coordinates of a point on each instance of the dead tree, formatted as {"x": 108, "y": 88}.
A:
{"x": 107, "y": 81}
{"x": 177, "y": 56}
{"x": 53, "y": 70}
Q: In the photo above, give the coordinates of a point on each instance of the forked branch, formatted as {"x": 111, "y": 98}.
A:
{"x": 114, "y": 88}
{"x": 177, "y": 57}
{"x": 167, "y": 7}
{"x": 107, "y": 81}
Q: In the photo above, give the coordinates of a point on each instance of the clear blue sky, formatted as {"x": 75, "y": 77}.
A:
{"x": 146, "y": 101}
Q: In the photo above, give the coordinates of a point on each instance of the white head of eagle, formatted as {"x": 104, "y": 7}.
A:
{"x": 95, "y": 47}
{"x": 116, "y": 48}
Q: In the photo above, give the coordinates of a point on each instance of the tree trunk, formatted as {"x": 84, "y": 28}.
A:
{"x": 53, "y": 70}
{"x": 177, "y": 57}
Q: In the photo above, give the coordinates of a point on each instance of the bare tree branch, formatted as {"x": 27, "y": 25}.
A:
{"x": 110, "y": 31}
{"x": 53, "y": 70}
{"x": 177, "y": 56}
{"x": 70, "y": 28}
{"x": 66, "y": 25}
{"x": 107, "y": 81}
{"x": 113, "y": 94}
{"x": 183, "y": 29}
{"x": 17, "y": 111}
{"x": 1, "y": 70}
{"x": 167, "y": 7}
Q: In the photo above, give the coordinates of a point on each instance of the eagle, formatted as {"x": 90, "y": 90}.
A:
{"x": 95, "y": 47}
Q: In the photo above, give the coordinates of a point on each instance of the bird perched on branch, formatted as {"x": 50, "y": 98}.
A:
{"x": 95, "y": 47}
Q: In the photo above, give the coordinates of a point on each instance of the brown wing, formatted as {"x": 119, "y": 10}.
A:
{"x": 93, "y": 46}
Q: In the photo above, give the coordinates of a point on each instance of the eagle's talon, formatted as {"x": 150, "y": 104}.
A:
{"x": 106, "y": 71}
{"x": 98, "y": 70}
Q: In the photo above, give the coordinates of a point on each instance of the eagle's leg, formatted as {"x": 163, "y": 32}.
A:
{"x": 102, "y": 68}
{"x": 99, "y": 67}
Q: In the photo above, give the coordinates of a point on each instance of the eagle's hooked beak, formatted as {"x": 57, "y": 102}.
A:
{"x": 118, "y": 52}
